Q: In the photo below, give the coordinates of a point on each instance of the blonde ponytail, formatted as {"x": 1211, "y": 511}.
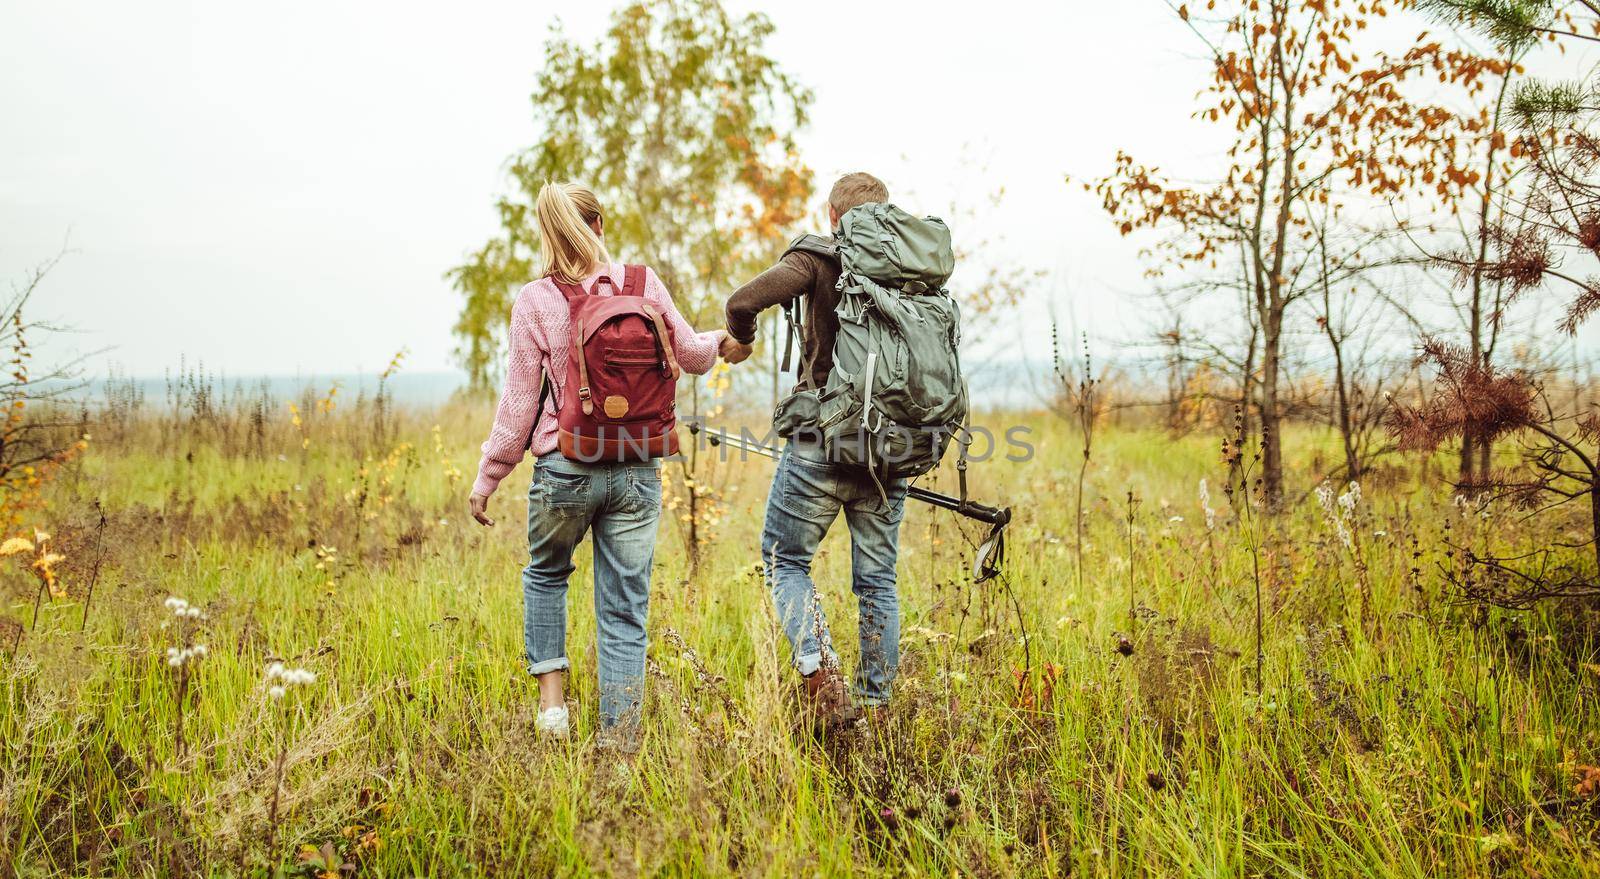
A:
{"x": 572, "y": 250}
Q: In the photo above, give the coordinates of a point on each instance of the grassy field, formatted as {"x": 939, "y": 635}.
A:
{"x": 1101, "y": 718}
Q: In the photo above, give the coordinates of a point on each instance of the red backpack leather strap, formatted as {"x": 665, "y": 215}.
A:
{"x": 632, "y": 281}
{"x": 584, "y": 401}
{"x": 669, "y": 358}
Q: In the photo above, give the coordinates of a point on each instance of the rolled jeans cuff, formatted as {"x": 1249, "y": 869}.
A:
{"x": 549, "y": 665}
{"x": 808, "y": 664}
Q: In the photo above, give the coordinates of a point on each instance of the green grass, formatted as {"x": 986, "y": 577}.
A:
{"x": 1437, "y": 741}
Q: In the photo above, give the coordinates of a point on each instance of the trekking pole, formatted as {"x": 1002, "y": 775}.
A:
{"x": 990, "y": 553}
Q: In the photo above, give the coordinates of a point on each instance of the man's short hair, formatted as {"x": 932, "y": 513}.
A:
{"x": 856, "y": 189}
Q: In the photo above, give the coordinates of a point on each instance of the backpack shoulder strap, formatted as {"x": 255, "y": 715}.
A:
{"x": 818, "y": 245}
{"x": 546, "y": 388}
{"x": 794, "y": 309}
{"x": 632, "y": 281}
{"x": 570, "y": 291}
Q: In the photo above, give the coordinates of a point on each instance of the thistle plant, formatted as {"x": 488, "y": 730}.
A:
{"x": 1240, "y": 488}
{"x": 1340, "y": 514}
{"x": 183, "y": 659}
{"x": 280, "y": 680}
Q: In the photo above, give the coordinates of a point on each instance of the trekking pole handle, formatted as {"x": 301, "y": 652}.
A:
{"x": 970, "y": 509}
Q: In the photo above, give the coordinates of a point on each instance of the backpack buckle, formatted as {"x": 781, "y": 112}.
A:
{"x": 583, "y": 393}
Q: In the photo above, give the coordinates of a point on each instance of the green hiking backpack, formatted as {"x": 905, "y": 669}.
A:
{"x": 895, "y": 397}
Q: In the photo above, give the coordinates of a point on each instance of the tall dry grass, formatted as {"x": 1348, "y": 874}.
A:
{"x": 1420, "y": 738}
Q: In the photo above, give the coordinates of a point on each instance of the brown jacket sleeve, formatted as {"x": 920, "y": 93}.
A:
{"x": 792, "y": 277}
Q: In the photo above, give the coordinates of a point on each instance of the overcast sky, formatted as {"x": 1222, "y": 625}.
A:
{"x": 278, "y": 188}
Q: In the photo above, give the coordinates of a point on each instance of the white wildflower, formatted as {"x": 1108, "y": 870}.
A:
{"x": 1336, "y": 513}
{"x": 1351, "y": 497}
{"x": 280, "y": 678}
{"x": 176, "y": 604}
{"x": 1324, "y": 494}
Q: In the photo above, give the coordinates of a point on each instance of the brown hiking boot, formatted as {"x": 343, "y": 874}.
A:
{"x": 828, "y": 700}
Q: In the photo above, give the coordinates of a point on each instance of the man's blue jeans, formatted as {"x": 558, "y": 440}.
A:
{"x": 808, "y": 492}
{"x": 622, "y": 503}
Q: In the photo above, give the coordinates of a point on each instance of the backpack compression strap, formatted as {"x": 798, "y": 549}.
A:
{"x": 632, "y": 281}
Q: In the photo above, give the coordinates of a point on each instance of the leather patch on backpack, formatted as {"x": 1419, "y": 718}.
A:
{"x": 616, "y": 406}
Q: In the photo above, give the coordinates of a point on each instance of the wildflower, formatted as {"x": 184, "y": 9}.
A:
{"x": 16, "y": 546}
{"x": 952, "y": 798}
{"x": 1351, "y": 497}
{"x": 1324, "y": 493}
{"x": 281, "y": 677}
{"x": 1337, "y": 513}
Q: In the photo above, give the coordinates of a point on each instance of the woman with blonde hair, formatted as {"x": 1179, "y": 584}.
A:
{"x": 619, "y": 500}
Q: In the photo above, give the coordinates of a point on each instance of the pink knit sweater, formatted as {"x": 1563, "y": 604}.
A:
{"x": 540, "y": 341}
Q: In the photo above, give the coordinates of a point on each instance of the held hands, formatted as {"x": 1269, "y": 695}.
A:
{"x": 732, "y": 350}
{"x": 479, "y": 504}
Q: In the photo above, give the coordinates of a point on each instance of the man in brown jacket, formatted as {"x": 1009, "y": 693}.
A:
{"x": 808, "y": 490}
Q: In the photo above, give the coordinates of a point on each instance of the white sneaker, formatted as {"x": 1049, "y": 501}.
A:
{"x": 552, "y": 722}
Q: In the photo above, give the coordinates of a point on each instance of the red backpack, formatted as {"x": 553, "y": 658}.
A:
{"x": 622, "y": 375}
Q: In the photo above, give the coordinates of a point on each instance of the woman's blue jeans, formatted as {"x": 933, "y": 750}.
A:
{"x": 621, "y": 503}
